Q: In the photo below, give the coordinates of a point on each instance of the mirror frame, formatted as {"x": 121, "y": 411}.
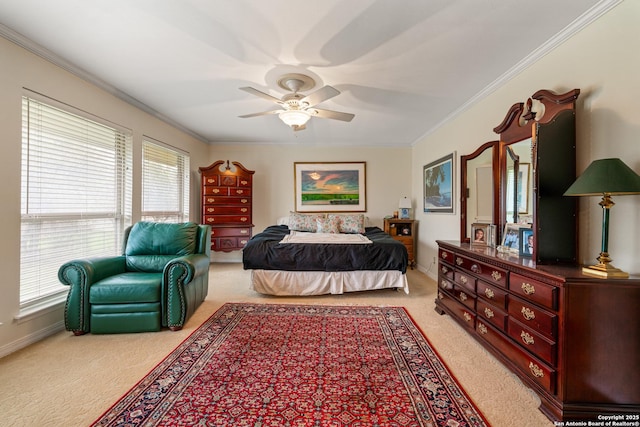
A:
{"x": 464, "y": 194}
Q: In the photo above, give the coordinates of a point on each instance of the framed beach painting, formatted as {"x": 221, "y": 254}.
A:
{"x": 438, "y": 180}
{"x": 330, "y": 186}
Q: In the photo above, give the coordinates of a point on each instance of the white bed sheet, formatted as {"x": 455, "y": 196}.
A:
{"x": 303, "y": 283}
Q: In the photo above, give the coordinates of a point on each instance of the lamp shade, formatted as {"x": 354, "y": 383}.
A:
{"x": 404, "y": 203}
{"x": 605, "y": 176}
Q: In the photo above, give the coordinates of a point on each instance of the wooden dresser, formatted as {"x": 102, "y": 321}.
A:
{"x": 227, "y": 204}
{"x": 405, "y": 231}
{"x": 572, "y": 338}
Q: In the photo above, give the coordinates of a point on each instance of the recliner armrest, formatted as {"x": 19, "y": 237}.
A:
{"x": 79, "y": 275}
{"x": 178, "y": 274}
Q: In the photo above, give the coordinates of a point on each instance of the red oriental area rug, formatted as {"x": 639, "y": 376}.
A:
{"x": 265, "y": 365}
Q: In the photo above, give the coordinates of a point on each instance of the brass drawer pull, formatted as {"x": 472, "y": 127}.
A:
{"x": 496, "y": 275}
{"x": 216, "y": 191}
{"x": 211, "y": 200}
{"x": 440, "y": 296}
{"x": 482, "y": 328}
{"x": 464, "y": 280}
{"x": 489, "y": 293}
{"x": 244, "y": 201}
{"x": 536, "y": 370}
{"x": 526, "y": 338}
{"x": 488, "y": 312}
{"x": 444, "y": 269}
{"x": 211, "y": 181}
{"x": 211, "y": 210}
{"x": 528, "y": 313}
{"x": 243, "y": 182}
{"x": 463, "y": 296}
{"x": 467, "y": 316}
{"x": 443, "y": 283}
{"x": 443, "y": 255}
{"x": 244, "y": 219}
{"x": 244, "y": 231}
{"x": 459, "y": 261}
{"x": 211, "y": 220}
{"x": 240, "y": 191}
{"x": 244, "y": 210}
{"x": 528, "y": 288}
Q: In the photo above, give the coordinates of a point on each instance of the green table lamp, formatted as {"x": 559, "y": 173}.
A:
{"x": 605, "y": 177}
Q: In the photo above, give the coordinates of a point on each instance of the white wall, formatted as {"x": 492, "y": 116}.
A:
{"x": 388, "y": 178}
{"x": 20, "y": 69}
{"x": 603, "y": 61}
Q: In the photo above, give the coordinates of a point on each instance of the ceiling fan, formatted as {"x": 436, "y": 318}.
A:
{"x": 297, "y": 109}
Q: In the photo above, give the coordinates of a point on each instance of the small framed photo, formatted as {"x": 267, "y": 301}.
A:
{"x": 526, "y": 242}
{"x": 480, "y": 234}
{"x": 511, "y": 237}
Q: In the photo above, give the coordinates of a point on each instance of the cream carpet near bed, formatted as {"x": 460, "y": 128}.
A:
{"x": 70, "y": 381}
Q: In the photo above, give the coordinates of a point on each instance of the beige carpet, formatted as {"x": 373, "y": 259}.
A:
{"x": 70, "y": 381}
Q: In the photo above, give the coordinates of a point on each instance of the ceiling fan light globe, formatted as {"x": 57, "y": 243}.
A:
{"x": 294, "y": 117}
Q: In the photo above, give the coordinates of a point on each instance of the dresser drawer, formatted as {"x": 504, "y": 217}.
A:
{"x": 231, "y": 231}
{"x": 465, "y": 297}
{"x": 446, "y": 271}
{"x": 445, "y": 283}
{"x": 209, "y": 190}
{"x": 540, "y": 346}
{"x": 494, "y": 275}
{"x": 457, "y": 310}
{"x": 534, "y": 317}
{"x": 227, "y": 219}
{"x": 240, "y": 191}
{"x": 210, "y": 180}
{"x": 446, "y": 256}
{"x": 493, "y": 294}
{"x": 533, "y": 290}
{"x": 226, "y": 200}
{"x": 491, "y": 314}
{"x": 226, "y": 210}
{"x": 465, "y": 280}
{"x": 528, "y": 364}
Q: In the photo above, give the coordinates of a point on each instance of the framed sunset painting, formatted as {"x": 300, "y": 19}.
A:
{"x": 330, "y": 186}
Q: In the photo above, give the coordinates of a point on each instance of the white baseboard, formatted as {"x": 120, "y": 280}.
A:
{"x": 31, "y": 338}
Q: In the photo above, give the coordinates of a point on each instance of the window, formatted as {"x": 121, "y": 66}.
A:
{"x": 76, "y": 193}
{"x": 165, "y": 183}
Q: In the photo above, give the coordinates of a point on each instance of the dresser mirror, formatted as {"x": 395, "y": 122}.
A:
{"x": 518, "y": 188}
{"x": 480, "y": 188}
{"x": 537, "y": 163}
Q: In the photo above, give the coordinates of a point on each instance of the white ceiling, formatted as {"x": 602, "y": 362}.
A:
{"x": 402, "y": 66}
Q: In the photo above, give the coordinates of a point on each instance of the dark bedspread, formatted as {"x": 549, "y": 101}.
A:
{"x": 265, "y": 252}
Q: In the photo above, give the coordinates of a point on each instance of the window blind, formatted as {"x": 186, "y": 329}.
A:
{"x": 75, "y": 195}
{"x": 165, "y": 183}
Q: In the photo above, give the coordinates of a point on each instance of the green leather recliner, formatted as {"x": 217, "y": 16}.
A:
{"x": 159, "y": 281}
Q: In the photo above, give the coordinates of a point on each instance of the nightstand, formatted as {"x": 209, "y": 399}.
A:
{"x": 405, "y": 231}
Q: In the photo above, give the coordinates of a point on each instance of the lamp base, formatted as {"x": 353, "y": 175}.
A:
{"x": 606, "y": 271}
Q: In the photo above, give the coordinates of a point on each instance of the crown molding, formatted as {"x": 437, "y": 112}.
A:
{"x": 51, "y": 57}
{"x": 573, "y": 28}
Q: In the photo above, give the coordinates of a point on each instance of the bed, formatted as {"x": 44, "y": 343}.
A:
{"x": 305, "y": 258}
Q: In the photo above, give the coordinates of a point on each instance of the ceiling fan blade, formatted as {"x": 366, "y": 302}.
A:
{"x": 320, "y": 95}
{"x": 264, "y": 113}
{"x": 329, "y": 114}
{"x": 261, "y": 94}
